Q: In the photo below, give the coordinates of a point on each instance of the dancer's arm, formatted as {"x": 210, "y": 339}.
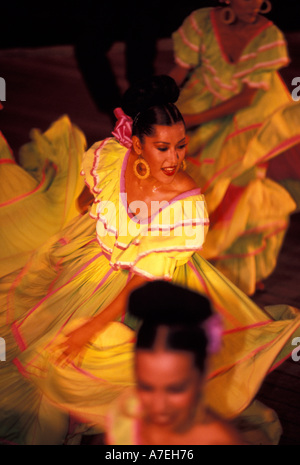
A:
{"x": 82, "y": 335}
{"x": 228, "y": 107}
{"x": 231, "y": 106}
{"x": 84, "y": 200}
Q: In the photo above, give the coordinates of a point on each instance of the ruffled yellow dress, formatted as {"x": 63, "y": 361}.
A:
{"x": 38, "y": 196}
{"x": 79, "y": 271}
{"x": 234, "y": 159}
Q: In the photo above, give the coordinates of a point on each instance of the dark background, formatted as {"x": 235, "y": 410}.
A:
{"x": 54, "y": 56}
{"x": 29, "y": 24}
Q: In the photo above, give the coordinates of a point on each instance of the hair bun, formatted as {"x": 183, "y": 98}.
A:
{"x": 161, "y": 302}
{"x": 146, "y": 93}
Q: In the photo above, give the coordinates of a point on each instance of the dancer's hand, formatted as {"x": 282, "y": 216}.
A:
{"x": 74, "y": 343}
{"x": 78, "y": 338}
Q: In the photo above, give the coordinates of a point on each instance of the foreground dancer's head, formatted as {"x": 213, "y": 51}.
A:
{"x": 178, "y": 332}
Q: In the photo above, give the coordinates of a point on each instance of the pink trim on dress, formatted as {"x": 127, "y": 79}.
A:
{"x": 194, "y": 24}
{"x": 16, "y": 326}
{"x": 190, "y": 45}
{"x": 93, "y": 171}
{"x": 244, "y": 328}
{"x": 209, "y": 182}
{"x": 18, "y": 337}
{"x": 263, "y": 48}
{"x": 279, "y": 225}
{"x": 10, "y": 318}
{"x": 182, "y": 63}
{"x": 194, "y": 161}
{"x": 265, "y": 64}
{"x": 51, "y": 342}
{"x": 239, "y": 131}
{"x": 88, "y": 374}
{"x": 221, "y": 309}
{"x": 253, "y": 252}
{"x": 288, "y": 143}
{"x": 4, "y": 161}
{"x": 225, "y": 211}
{"x": 132, "y": 265}
{"x": 211, "y": 89}
{"x": 256, "y": 85}
{"x": 276, "y": 365}
{"x": 277, "y": 43}
{"x": 27, "y": 194}
{"x": 246, "y": 357}
{"x": 183, "y": 195}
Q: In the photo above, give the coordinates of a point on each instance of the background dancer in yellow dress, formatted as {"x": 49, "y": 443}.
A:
{"x": 240, "y": 118}
{"x": 67, "y": 356}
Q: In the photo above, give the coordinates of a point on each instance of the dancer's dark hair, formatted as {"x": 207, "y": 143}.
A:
{"x": 151, "y": 102}
{"x": 182, "y": 311}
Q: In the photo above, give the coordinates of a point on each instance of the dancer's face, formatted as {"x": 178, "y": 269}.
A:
{"x": 169, "y": 386}
{"x": 246, "y": 10}
{"x": 164, "y": 151}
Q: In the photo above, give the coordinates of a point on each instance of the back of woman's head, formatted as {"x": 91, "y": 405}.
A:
{"x": 151, "y": 102}
{"x": 185, "y": 315}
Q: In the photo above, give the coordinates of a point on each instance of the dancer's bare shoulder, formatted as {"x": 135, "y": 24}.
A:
{"x": 184, "y": 182}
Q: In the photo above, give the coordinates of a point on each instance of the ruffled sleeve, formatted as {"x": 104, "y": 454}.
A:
{"x": 188, "y": 39}
{"x": 101, "y": 168}
{"x": 154, "y": 249}
{"x": 267, "y": 54}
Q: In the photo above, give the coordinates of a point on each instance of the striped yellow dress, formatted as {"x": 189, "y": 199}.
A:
{"x": 38, "y": 194}
{"x": 231, "y": 157}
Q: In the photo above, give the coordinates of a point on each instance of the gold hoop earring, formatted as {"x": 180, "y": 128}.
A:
{"x": 267, "y": 8}
{"x": 228, "y": 15}
{"x": 145, "y": 167}
{"x": 183, "y": 165}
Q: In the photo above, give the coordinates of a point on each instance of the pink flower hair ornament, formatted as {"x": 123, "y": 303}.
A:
{"x": 213, "y": 328}
{"x": 123, "y": 128}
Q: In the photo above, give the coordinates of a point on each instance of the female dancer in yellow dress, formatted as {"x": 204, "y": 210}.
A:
{"x": 147, "y": 221}
{"x": 240, "y": 118}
